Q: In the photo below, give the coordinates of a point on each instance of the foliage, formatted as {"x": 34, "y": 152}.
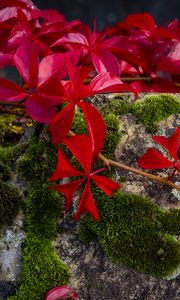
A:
{"x": 153, "y": 159}
{"x": 134, "y": 231}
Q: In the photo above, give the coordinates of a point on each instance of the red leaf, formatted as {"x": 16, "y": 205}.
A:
{"x": 105, "y": 61}
{"x": 68, "y": 189}
{"x": 62, "y": 123}
{"x": 55, "y": 64}
{"x": 81, "y": 148}
{"x": 74, "y": 37}
{"x": 5, "y": 59}
{"x": 40, "y": 109}
{"x": 139, "y": 20}
{"x": 77, "y": 74}
{"x": 96, "y": 127}
{"x": 87, "y": 204}
{"x": 171, "y": 143}
{"x": 64, "y": 168}
{"x": 10, "y": 91}
{"x": 26, "y": 61}
{"x": 61, "y": 292}
{"x": 106, "y": 184}
{"x": 105, "y": 82}
{"x": 152, "y": 159}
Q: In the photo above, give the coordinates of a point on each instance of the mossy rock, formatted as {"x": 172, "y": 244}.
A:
{"x": 43, "y": 210}
{"x": 132, "y": 230}
{"x": 152, "y": 109}
{"x": 42, "y": 269}
{"x": 116, "y": 106}
{"x": 11, "y": 200}
{"x": 38, "y": 162}
{"x": 6, "y": 121}
{"x": 113, "y": 130}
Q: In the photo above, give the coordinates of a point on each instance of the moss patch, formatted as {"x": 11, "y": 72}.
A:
{"x": 131, "y": 232}
{"x": 10, "y": 203}
{"x": 42, "y": 269}
{"x": 150, "y": 110}
{"x": 117, "y": 106}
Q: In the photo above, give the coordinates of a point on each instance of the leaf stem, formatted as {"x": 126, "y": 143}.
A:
{"x": 140, "y": 172}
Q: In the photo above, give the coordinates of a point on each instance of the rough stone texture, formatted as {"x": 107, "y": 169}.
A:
{"x": 10, "y": 252}
{"x": 95, "y": 277}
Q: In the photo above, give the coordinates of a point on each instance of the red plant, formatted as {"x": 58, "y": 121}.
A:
{"x": 153, "y": 159}
{"x": 81, "y": 148}
{"x": 61, "y": 292}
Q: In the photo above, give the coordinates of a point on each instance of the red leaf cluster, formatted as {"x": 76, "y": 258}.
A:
{"x": 153, "y": 159}
{"x": 81, "y": 148}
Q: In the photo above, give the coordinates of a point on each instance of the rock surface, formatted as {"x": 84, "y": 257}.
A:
{"x": 95, "y": 277}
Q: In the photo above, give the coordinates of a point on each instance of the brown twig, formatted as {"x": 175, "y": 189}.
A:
{"x": 109, "y": 162}
{"x": 138, "y": 171}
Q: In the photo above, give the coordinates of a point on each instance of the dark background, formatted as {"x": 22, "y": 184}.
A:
{"x": 109, "y": 12}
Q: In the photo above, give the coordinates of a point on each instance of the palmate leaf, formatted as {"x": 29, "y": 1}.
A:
{"x": 26, "y": 62}
{"x": 96, "y": 127}
{"x": 64, "y": 168}
{"x": 79, "y": 145}
{"x": 153, "y": 159}
{"x": 10, "y": 91}
{"x": 87, "y": 204}
{"x": 68, "y": 189}
{"x": 62, "y": 123}
{"x": 108, "y": 185}
{"x": 171, "y": 143}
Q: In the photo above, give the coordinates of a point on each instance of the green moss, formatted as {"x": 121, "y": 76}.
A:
{"x": 150, "y": 110}
{"x": 38, "y": 162}
{"x": 113, "y": 130}
{"x": 10, "y": 154}
{"x": 42, "y": 269}
{"x": 130, "y": 232}
{"x": 170, "y": 221}
{"x": 5, "y": 172}
{"x": 116, "y": 106}
{"x": 6, "y": 121}
{"x": 10, "y": 203}
{"x": 43, "y": 209}
{"x": 113, "y": 133}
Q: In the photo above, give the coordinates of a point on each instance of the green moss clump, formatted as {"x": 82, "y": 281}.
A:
{"x": 5, "y": 172}
{"x": 10, "y": 203}
{"x": 11, "y": 153}
{"x": 113, "y": 130}
{"x": 38, "y": 162}
{"x": 170, "y": 221}
{"x": 6, "y": 121}
{"x": 116, "y": 106}
{"x": 42, "y": 269}
{"x": 150, "y": 110}
{"x": 130, "y": 232}
{"x": 43, "y": 209}
{"x": 113, "y": 133}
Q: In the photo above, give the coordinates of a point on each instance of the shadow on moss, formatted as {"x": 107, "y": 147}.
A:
{"x": 134, "y": 231}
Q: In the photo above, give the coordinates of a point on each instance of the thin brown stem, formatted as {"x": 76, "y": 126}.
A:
{"x": 109, "y": 162}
